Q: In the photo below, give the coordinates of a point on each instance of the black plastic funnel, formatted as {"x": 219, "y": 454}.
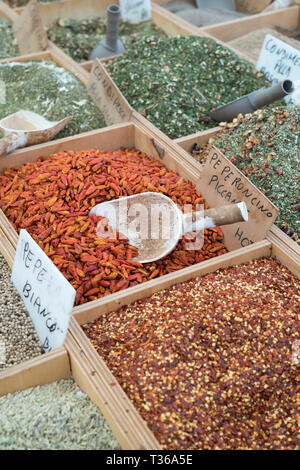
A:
{"x": 111, "y": 45}
{"x": 253, "y": 101}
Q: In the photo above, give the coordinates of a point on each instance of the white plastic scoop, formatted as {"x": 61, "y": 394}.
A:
{"x": 154, "y": 224}
{"x": 25, "y": 128}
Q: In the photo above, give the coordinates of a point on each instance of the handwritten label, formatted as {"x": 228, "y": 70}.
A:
{"x": 107, "y": 96}
{"x": 46, "y": 293}
{"x": 135, "y": 11}
{"x": 279, "y": 61}
{"x": 222, "y": 183}
{"x": 29, "y": 31}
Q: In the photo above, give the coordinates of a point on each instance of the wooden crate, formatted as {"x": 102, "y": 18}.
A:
{"x": 78, "y": 10}
{"x": 123, "y": 135}
{"x": 201, "y": 138}
{"x": 286, "y": 18}
{"x": 90, "y": 369}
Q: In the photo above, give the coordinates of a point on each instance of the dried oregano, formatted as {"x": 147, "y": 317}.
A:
{"x": 265, "y": 146}
{"x": 175, "y": 82}
{"x": 8, "y": 45}
{"x": 78, "y": 37}
{"x": 49, "y": 90}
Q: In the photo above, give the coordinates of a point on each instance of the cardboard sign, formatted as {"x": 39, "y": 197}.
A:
{"x": 222, "y": 183}
{"x": 29, "y": 31}
{"x": 107, "y": 96}
{"x": 135, "y": 11}
{"x": 46, "y": 293}
{"x": 279, "y": 61}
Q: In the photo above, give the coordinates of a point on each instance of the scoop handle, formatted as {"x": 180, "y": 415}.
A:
{"x": 225, "y": 215}
{"x": 11, "y": 142}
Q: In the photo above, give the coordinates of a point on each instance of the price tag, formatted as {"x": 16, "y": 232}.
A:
{"x": 46, "y": 293}
{"x": 222, "y": 183}
{"x": 107, "y": 96}
{"x": 279, "y": 61}
{"x": 29, "y": 30}
{"x": 135, "y": 11}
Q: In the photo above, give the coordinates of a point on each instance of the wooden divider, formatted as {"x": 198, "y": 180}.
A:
{"x": 101, "y": 385}
{"x": 41, "y": 370}
{"x": 286, "y": 18}
{"x": 7, "y": 12}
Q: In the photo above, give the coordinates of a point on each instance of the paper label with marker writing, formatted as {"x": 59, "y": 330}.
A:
{"x": 107, "y": 96}
{"x": 135, "y": 11}
{"x": 222, "y": 183}
{"x": 46, "y": 293}
{"x": 29, "y": 30}
{"x": 279, "y": 61}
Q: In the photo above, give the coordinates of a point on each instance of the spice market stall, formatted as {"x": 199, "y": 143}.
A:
{"x": 200, "y": 349}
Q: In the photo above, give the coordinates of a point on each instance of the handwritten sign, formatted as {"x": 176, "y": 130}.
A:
{"x": 29, "y": 31}
{"x": 135, "y": 11}
{"x": 222, "y": 183}
{"x": 107, "y": 96}
{"x": 46, "y": 293}
{"x": 279, "y": 61}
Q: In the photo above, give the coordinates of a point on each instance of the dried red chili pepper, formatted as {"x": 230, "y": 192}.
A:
{"x": 52, "y": 198}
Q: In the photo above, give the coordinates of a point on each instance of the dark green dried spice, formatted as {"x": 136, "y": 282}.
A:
{"x": 8, "y": 44}
{"x": 22, "y": 3}
{"x": 175, "y": 82}
{"x": 265, "y": 146}
{"x": 50, "y": 90}
{"x": 78, "y": 37}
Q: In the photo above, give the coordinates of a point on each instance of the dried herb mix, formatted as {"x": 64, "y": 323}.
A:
{"x": 49, "y": 90}
{"x": 52, "y": 199}
{"x": 8, "y": 44}
{"x": 78, "y": 37}
{"x": 212, "y": 363}
{"x": 175, "y": 82}
{"x": 57, "y": 416}
{"x": 265, "y": 146}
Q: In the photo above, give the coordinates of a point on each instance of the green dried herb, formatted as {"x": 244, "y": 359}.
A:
{"x": 78, "y": 37}
{"x": 8, "y": 44}
{"x": 47, "y": 89}
{"x": 175, "y": 82}
{"x": 265, "y": 146}
{"x": 22, "y": 3}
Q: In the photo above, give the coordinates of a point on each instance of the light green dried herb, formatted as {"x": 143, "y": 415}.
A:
{"x": 58, "y": 416}
{"x": 265, "y": 146}
{"x": 175, "y": 82}
{"x": 8, "y": 44}
{"x": 78, "y": 37}
{"x": 48, "y": 89}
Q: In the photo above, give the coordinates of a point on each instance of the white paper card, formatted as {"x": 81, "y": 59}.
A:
{"x": 46, "y": 293}
{"x": 279, "y": 61}
{"x": 135, "y": 11}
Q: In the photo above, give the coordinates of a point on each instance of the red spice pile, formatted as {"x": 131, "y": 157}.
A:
{"x": 52, "y": 198}
{"x": 212, "y": 363}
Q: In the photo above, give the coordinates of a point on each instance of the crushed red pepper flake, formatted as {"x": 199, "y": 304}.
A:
{"x": 211, "y": 363}
{"x": 52, "y": 198}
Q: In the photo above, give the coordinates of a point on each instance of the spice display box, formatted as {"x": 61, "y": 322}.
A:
{"x": 202, "y": 138}
{"x": 126, "y": 135}
{"x": 93, "y": 375}
{"x": 247, "y": 34}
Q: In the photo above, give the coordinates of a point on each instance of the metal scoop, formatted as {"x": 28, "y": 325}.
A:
{"x": 25, "y": 128}
{"x": 154, "y": 224}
